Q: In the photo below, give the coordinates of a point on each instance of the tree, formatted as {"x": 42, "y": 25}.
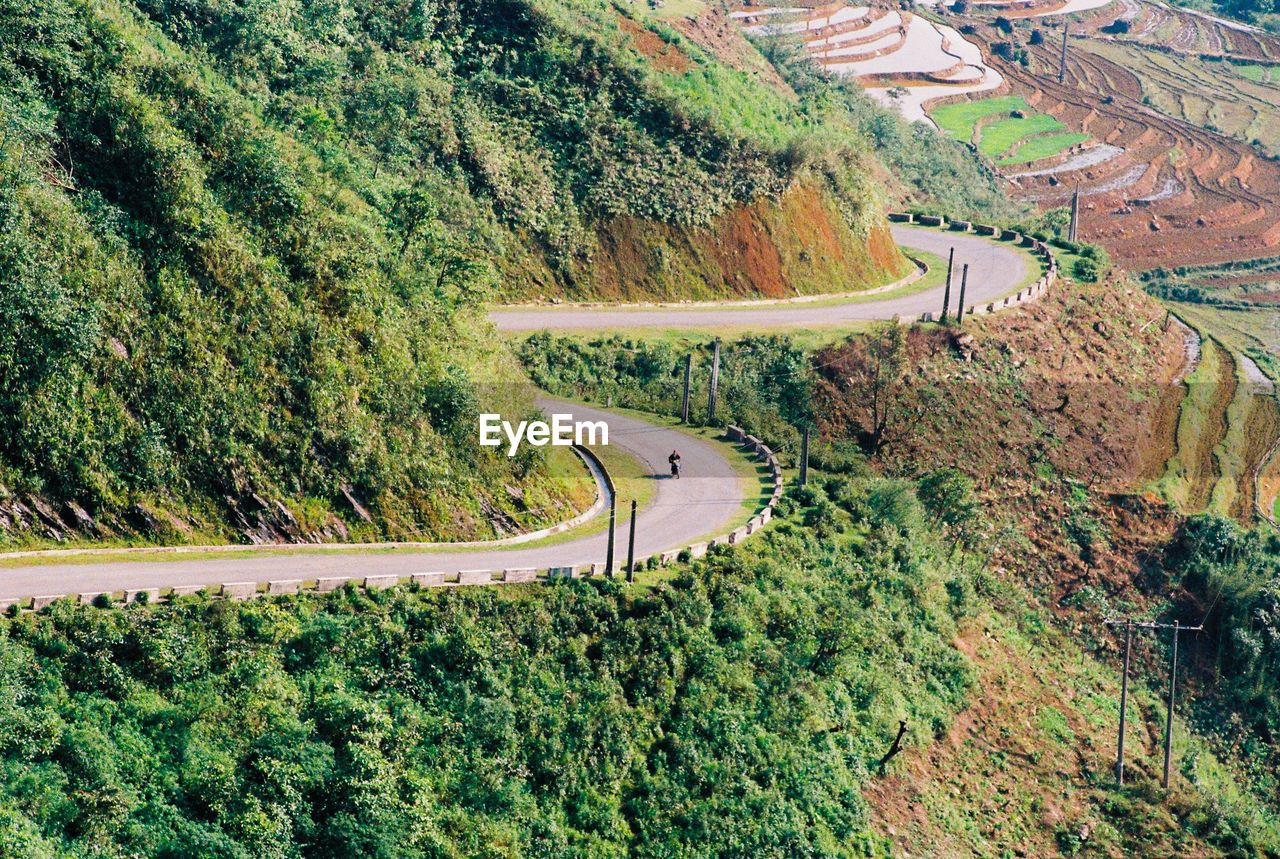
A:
{"x": 875, "y": 375}
{"x": 948, "y": 496}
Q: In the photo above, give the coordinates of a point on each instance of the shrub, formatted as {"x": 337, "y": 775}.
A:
{"x": 1087, "y": 270}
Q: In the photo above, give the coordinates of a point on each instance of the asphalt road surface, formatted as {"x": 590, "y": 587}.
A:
{"x": 994, "y": 271}
{"x": 702, "y": 503}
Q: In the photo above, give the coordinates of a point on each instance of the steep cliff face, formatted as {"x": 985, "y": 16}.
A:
{"x": 798, "y": 244}
{"x": 727, "y": 183}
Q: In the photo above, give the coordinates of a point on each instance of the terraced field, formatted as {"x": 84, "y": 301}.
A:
{"x": 1255, "y": 282}
{"x": 1170, "y": 151}
{"x": 1180, "y": 31}
{"x": 1232, "y": 404}
{"x": 1216, "y": 95}
{"x": 903, "y": 59}
{"x": 960, "y": 119}
{"x": 1259, "y": 74}
{"x": 1044, "y": 146}
{"x": 1006, "y": 129}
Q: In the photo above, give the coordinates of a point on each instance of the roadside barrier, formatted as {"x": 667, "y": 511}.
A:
{"x": 245, "y": 590}
{"x": 1037, "y": 247}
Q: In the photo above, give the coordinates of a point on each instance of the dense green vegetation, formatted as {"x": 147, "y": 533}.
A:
{"x": 243, "y": 247}
{"x": 765, "y": 383}
{"x": 737, "y": 708}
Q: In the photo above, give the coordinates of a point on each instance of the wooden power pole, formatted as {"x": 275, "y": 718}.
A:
{"x": 631, "y": 546}
{"x": 613, "y": 524}
{"x": 688, "y": 387}
{"x": 804, "y": 455}
{"x": 1168, "y": 724}
{"x": 1062, "y": 68}
{"x": 1074, "y": 233}
{"x": 1124, "y": 700}
{"x": 946, "y": 296}
{"x": 715, "y": 382}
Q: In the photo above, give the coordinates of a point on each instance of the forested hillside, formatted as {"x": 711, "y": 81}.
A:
{"x": 245, "y": 247}
{"x": 736, "y": 709}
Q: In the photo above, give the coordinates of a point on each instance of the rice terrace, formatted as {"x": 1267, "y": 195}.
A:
{"x": 434, "y": 429}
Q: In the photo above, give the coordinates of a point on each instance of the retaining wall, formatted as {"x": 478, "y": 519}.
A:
{"x": 1030, "y": 293}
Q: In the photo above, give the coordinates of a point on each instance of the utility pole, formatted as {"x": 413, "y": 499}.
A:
{"x": 1129, "y": 625}
{"x": 688, "y": 387}
{"x": 715, "y": 382}
{"x": 613, "y": 523}
{"x": 1075, "y": 215}
{"x": 964, "y": 281}
{"x": 631, "y": 546}
{"x": 1168, "y": 725}
{"x": 1062, "y": 69}
{"x": 946, "y": 296}
{"x": 804, "y": 456}
{"x": 1124, "y": 700}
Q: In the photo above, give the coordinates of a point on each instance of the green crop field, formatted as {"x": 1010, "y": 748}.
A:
{"x": 959, "y": 120}
{"x": 1260, "y": 74}
{"x": 1043, "y": 147}
{"x": 998, "y": 137}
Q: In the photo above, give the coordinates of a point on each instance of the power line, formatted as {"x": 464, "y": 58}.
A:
{"x": 1129, "y": 625}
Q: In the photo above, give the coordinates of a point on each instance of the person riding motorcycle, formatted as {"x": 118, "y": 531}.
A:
{"x": 674, "y": 459}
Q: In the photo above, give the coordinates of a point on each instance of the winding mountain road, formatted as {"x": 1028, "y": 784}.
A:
{"x": 703, "y": 503}
{"x": 700, "y": 504}
{"x": 994, "y": 271}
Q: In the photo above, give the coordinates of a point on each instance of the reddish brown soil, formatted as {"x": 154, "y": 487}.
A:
{"x": 1073, "y": 398}
{"x": 665, "y": 57}
{"x": 1079, "y": 387}
{"x": 1105, "y": 349}
{"x": 797, "y": 245}
{"x": 1225, "y": 208}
